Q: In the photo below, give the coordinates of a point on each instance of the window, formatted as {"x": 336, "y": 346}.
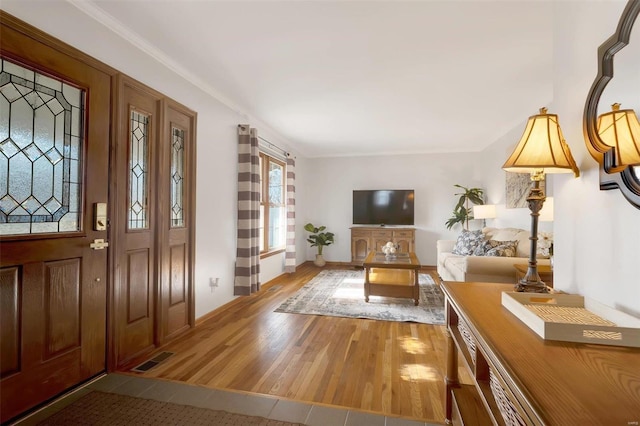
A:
{"x": 177, "y": 177}
{"x": 272, "y": 204}
{"x": 41, "y": 142}
{"x": 138, "y": 208}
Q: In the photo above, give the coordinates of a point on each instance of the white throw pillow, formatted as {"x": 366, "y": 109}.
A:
{"x": 545, "y": 239}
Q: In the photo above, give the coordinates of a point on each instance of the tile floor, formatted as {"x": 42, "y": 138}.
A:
{"x": 249, "y": 404}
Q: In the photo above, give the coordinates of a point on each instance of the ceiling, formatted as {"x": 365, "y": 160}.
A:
{"x": 340, "y": 78}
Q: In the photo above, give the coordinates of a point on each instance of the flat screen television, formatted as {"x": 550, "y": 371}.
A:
{"x": 383, "y": 207}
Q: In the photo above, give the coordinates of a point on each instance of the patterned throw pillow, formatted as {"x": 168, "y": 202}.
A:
{"x": 504, "y": 249}
{"x": 486, "y": 246}
{"x": 479, "y": 251}
{"x": 467, "y": 242}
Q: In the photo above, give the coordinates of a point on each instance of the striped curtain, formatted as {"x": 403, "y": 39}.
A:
{"x": 290, "y": 254}
{"x": 247, "y": 275}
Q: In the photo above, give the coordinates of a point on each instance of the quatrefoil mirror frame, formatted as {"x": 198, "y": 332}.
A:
{"x": 628, "y": 181}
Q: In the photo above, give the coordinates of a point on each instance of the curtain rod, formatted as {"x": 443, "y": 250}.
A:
{"x": 272, "y": 146}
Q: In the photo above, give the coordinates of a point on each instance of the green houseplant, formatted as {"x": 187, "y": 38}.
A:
{"x": 462, "y": 212}
{"x": 319, "y": 238}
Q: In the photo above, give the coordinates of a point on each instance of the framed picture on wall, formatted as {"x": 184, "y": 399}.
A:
{"x": 518, "y": 186}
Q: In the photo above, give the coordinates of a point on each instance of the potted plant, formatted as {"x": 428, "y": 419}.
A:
{"x": 462, "y": 212}
{"x": 319, "y": 238}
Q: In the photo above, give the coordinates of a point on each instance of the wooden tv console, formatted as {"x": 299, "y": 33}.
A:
{"x": 365, "y": 239}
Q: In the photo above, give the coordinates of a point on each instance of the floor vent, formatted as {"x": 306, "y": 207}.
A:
{"x": 148, "y": 365}
{"x": 275, "y": 288}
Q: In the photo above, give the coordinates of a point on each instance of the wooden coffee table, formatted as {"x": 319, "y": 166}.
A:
{"x": 392, "y": 277}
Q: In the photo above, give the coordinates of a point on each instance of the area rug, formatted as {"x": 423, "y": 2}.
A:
{"x": 340, "y": 293}
{"x": 100, "y": 408}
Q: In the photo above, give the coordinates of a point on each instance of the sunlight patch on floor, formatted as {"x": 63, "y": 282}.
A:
{"x": 412, "y": 345}
{"x": 352, "y": 291}
{"x": 349, "y": 293}
{"x": 418, "y": 373}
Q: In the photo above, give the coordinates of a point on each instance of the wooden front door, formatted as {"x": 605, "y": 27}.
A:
{"x": 54, "y": 168}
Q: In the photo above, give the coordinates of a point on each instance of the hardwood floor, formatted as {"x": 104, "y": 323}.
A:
{"x": 390, "y": 368}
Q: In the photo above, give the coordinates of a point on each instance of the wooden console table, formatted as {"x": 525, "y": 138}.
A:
{"x": 537, "y": 382}
{"x": 392, "y": 277}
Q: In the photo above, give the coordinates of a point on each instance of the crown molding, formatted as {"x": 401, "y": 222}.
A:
{"x": 99, "y": 15}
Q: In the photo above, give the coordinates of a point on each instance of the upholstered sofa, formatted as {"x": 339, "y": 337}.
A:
{"x": 496, "y": 267}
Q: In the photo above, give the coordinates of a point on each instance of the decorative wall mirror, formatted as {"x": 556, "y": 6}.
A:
{"x": 599, "y": 101}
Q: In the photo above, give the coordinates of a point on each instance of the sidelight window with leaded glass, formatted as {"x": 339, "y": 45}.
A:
{"x": 138, "y": 208}
{"x": 177, "y": 177}
{"x": 41, "y": 142}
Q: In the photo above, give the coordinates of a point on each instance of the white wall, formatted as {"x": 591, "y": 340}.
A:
{"x": 332, "y": 180}
{"x": 597, "y": 232}
{"x": 432, "y": 176}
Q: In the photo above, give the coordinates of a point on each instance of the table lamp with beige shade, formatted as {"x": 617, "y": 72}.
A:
{"x": 484, "y": 212}
{"x": 541, "y": 150}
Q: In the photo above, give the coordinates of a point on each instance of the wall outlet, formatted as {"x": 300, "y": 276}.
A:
{"x": 213, "y": 282}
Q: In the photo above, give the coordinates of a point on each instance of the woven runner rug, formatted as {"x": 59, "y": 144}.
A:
{"x": 110, "y": 409}
{"x": 341, "y": 294}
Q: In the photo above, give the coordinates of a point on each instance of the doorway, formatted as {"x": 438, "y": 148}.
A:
{"x": 85, "y": 286}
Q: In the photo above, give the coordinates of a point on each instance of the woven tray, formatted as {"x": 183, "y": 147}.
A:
{"x": 565, "y": 317}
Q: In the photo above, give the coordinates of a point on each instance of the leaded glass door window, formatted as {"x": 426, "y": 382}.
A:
{"x": 41, "y": 140}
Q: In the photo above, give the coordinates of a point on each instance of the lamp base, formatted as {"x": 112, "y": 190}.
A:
{"x": 532, "y": 287}
{"x": 531, "y": 282}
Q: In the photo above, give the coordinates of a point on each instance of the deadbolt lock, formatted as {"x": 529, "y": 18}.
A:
{"x": 100, "y": 216}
